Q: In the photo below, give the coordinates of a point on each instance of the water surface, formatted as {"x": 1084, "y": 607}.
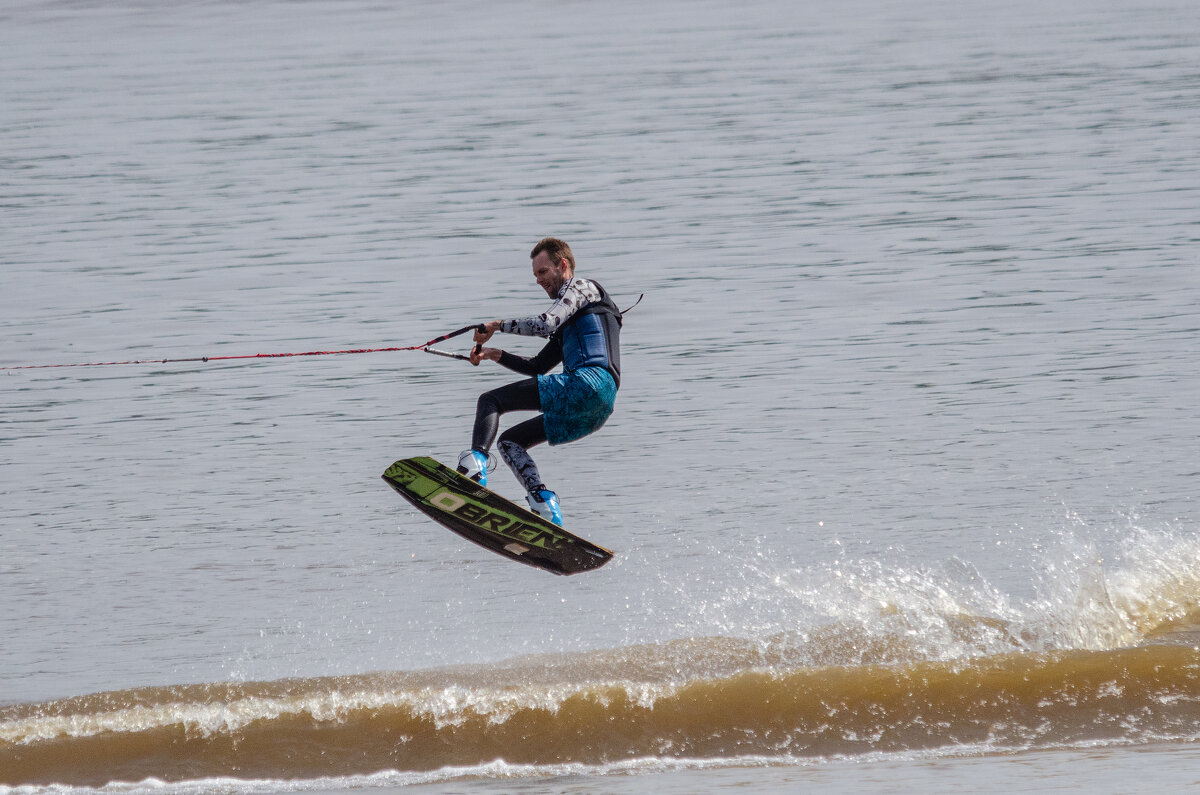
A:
{"x": 912, "y": 388}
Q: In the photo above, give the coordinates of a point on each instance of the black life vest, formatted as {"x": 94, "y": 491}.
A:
{"x": 592, "y": 337}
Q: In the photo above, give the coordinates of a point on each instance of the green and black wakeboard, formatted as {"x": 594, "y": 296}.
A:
{"x": 477, "y": 514}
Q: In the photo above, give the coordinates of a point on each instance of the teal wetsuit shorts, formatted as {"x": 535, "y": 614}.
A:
{"x": 577, "y": 403}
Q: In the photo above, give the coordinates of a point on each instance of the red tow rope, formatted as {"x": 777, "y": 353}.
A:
{"x": 422, "y": 347}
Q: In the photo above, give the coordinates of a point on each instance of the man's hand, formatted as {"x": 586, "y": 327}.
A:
{"x": 479, "y": 354}
{"x": 489, "y": 328}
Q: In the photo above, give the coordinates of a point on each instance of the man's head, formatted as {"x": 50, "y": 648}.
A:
{"x": 553, "y": 264}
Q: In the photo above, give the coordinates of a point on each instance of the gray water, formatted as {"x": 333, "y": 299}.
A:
{"x": 919, "y": 322}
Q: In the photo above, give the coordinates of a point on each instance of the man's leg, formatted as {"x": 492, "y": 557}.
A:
{"x": 518, "y": 396}
{"x": 514, "y": 447}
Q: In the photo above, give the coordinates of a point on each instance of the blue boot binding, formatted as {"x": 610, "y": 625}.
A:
{"x": 544, "y": 503}
{"x": 474, "y": 465}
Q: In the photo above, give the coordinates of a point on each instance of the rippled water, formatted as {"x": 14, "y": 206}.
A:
{"x": 918, "y": 334}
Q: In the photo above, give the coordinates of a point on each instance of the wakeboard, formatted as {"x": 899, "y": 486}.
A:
{"x": 480, "y": 515}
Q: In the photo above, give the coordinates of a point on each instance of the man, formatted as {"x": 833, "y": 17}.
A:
{"x": 583, "y": 327}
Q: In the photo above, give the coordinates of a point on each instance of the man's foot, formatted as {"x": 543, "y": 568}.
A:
{"x": 474, "y": 465}
{"x": 544, "y": 503}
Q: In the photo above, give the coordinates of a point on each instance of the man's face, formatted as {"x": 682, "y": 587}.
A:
{"x": 550, "y": 276}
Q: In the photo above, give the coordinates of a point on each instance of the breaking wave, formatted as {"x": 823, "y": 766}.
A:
{"x": 910, "y": 661}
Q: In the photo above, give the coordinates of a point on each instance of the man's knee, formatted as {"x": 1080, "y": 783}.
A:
{"x": 510, "y": 438}
{"x": 525, "y": 434}
{"x": 487, "y": 404}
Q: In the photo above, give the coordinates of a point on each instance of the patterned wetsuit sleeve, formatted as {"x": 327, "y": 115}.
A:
{"x": 545, "y": 361}
{"x": 575, "y": 294}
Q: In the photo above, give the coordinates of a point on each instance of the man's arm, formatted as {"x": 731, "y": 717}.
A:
{"x": 546, "y": 359}
{"x": 577, "y": 294}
